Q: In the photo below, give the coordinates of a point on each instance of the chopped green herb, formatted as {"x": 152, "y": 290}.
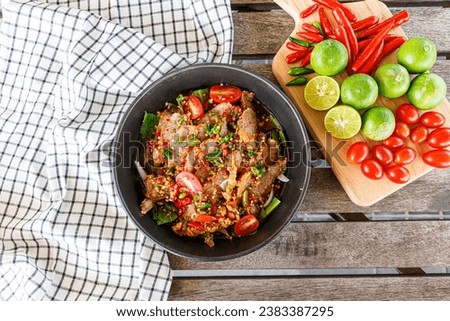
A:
{"x": 251, "y": 152}
{"x": 167, "y": 153}
{"x": 212, "y": 129}
{"x": 180, "y": 121}
{"x": 182, "y": 195}
{"x": 269, "y": 209}
{"x": 202, "y": 94}
{"x": 193, "y": 141}
{"x": 226, "y": 139}
{"x": 258, "y": 171}
{"x": 204, "y": 206}
{"x": 148, "y": 126}
{"x": 214, "y": 155}
{"x": 180, "y": 99}
{"x": 164, "y": 214}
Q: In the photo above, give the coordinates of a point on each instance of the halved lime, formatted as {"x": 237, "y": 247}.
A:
{"x": 342, "y": 122}
{"x": 321, "y": 92}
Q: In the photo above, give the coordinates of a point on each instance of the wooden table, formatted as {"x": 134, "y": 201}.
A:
{"x": 357, "y": 254}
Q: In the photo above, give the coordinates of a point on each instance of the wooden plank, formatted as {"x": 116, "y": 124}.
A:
{"x": 263, "y": 33}
{"x": 344, "y": 245}
{"x": 313, "y": 288}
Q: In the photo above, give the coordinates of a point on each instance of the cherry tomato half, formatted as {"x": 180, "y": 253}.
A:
{"x": 397, "y": 174}
{"x": 246, "y": 225}
{"x": 401, "y": 130}
{"x": 357, "y": 152}
{"x": 404, "y": 156}
{"x": 394, "y": 142}
{"x": 382, "y": 154}
{"x": 190, "y": 181}
{"x": 419, "y": 134}
{"x": 439, "y": 138}
{"x": 225, "y": 93}
{"x": 407, "y": 114}
{"x": 432, "y": 119}
{"x": 439, "y": 158}
{"x": 372, "y": 169}
{"x": 194, "y": 105}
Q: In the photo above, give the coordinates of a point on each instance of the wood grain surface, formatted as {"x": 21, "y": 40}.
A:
{"x": 362, "y": 191}
{"x": 396, "y": 288}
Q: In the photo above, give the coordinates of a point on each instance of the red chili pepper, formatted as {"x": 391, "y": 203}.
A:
{"x": 371, "y": 47}
{"x": 203, "y": 218}
{"x": 342, "y": 20}
{"x": 183, "y": 202}
{"x": 396, "y": 20}
{"x": 309, "y": 11}
{"x": 341, "y": 36}
{"x": 365, "y": 23}
{"x": 332, "y": 36}
{"x": 332, "y": 4}
{"x": 309, "y": 36}
{"x": 295, "y": 56}
{"x": 295, "y": 46}
{"x": 306, "y": 59}
{"x": 326, "y": 25}
{"x": 363, "y": 43}
{"x": 310, "y": 28}
{"x": 197, "y": 225}
{"x": 389, "y": 46}
{"x": 373, "y": 60}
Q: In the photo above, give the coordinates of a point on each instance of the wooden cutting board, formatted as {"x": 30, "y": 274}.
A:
{"x": 361, "y": 190}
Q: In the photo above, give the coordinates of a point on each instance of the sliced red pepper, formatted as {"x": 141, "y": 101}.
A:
{"x": 310, "y": 36}
{"x": 180, "y": 203}
{"x": 204, "y": 218}
{"x": 295, "y": 56}
{"x": 365, "y": 23}
{"x": 332, "y": 4}
{"x": 309, "y": 11}
{"x": 371, "y": 48}
{"x": 197, "y": 225}
{"x": 326, "y": 25}
{"x": 396, "y": 20}
{"x": 343, "y": 21}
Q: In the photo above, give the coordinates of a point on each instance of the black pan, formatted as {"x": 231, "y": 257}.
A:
{"x": 166, "y": 89}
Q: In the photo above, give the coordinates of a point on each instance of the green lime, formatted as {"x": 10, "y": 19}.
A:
{"x": 359, "y": 91}
{"x": 417, "y": 54}
{"x": 321, "y": 92}
{"x": 427, "y": 91}
{"x": 392, "y": 79}
{"x": 329, "y": 57}
{"x": 342, "y": 122}
{"x": 378, "y": 123}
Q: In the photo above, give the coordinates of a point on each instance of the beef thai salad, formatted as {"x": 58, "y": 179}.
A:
{"x": 213, "y": 163}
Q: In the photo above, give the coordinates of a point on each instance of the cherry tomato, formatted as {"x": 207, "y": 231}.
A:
{"x": 357, "y": 152}
{"x": 419, "y": 134}
{"x": 225, "y": 93}
{"x": 382, "y": 154}
{"x": 203, "y": 218}
{"x": 194, "y": 105}
{"x": 432, "y": 119}
{"x": 407, "y": 114}
{"x": 401, "y": 130}
{"x": 439, "y": 158}
{"x": 397, "y": 174}
{"x": 404, "y": 156}
{"x": 439, "y": 138}
{"x": 394, "y": 142}
{"x": 190, "y": 181}
{"x": 372, "y": 169}
{"x": 246, "y": 225}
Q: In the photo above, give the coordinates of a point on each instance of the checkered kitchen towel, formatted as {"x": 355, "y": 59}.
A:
{"x": 68, "y": 71}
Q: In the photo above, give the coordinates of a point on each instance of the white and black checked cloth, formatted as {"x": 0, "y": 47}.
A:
{"x": 68, "y": 71}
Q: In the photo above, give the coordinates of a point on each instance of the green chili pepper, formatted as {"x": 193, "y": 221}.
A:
{"x": 298, "y": 71}
{"x": 299, "y": 41}
{"x": 297, "y": 81}
{"x": 318, "y": 26}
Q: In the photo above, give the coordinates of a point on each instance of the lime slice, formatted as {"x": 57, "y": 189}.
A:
{"x": 342, "y": 122}
{"x": 322, "y": 92}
